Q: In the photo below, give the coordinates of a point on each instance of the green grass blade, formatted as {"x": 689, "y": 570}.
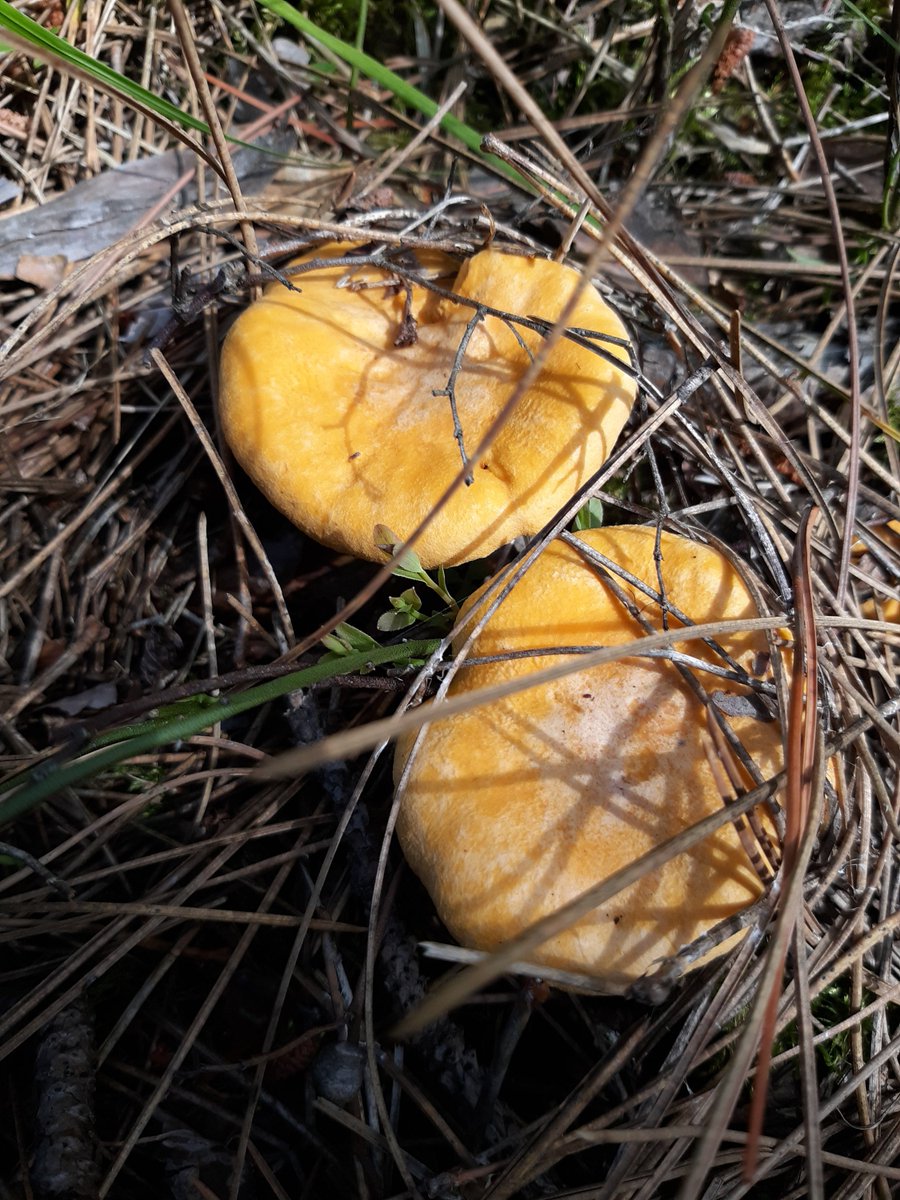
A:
{"x": 360, "y": 38}
{"x": 27, "y": 36}
{"x": 30, "y": 36}
{"x": 29, "y": 790}
{"x": 364, "y": 64}
{"x": 873, "y": 26}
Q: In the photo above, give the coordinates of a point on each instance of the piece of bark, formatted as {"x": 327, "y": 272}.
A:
{"x": 65, "y": 1154}
{"x": 97, "y": 212}
{"x": 43, "y": 271}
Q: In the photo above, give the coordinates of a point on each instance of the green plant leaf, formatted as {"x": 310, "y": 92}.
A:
{"x": 872, "y": 25}
{"x": 408, "y": 601}
{"x": 374, "y": 70}
{"x": 407, "y": 609}
{"x": 410, "y": 565}
{"x": 393, "y": 622}
{"x": 590, "y": 516}
{"x": 347, "y": 639}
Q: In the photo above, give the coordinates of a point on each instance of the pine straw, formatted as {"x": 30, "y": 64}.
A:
{"x": 245, "y": 947}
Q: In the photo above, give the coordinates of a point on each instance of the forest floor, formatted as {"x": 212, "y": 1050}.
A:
{"x": 206, "y": 966}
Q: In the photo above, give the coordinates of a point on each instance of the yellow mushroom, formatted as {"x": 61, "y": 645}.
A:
{"x": 344, "y": 429}
{"x": 512, "y": 810}
{"x": 877, "y": 607}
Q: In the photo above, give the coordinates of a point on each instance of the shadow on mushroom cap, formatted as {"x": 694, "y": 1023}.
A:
{"x": 511, "y": 812}
{"x": 341, "y": 429}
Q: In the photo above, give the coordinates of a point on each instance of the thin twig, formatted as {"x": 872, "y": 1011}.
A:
{"x": 450, "y": 390}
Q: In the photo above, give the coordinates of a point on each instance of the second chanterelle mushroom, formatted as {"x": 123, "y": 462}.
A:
{"x": 335, "y": 400}
{"x": 511, "y": 810}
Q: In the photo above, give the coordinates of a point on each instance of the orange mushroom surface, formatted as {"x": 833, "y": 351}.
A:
{"x": 513, "y": 809}
{"x": 328, "y": 400}
{"x": 878, "y": 607}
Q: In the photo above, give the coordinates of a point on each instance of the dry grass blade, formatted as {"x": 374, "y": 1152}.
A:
{"x": 225, "y": 479}
{"x": 726, "y": 1096}
{"x": 190, "y": 1036}
{"x": 71, "y": 67}
{"x": 802, "y": 808}
{"x": 226, "y": 166}
{"x": 841, "y": 251}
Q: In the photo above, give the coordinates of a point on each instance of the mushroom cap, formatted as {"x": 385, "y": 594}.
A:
{"x": 512, "y": 810}
{"x": 340, "y": 428}
{"x": 879, "y": 607}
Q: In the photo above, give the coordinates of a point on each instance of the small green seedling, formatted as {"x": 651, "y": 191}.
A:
{"x": 346, "y": 639}
{"x": 406, "y": 610}
{"x": 410, "y": 566}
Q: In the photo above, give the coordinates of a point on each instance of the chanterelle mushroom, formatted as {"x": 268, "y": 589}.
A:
{"x": 341, "y": 428}
{"x": 514, "y": 809}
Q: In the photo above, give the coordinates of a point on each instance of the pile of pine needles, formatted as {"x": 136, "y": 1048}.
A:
{"x": 212, "y": 984}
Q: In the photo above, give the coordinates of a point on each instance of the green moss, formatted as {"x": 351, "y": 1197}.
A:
{"x": 830, "y": 1007}
{"x": 393, "y": 23}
